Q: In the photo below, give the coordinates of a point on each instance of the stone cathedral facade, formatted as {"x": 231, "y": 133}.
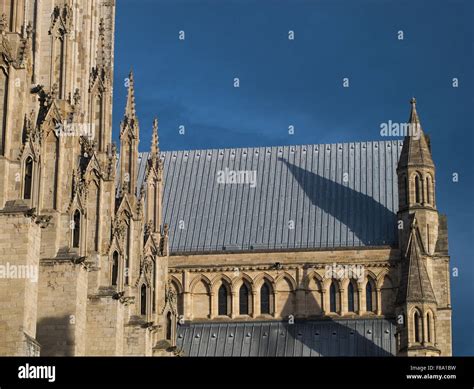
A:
{"x": 334, "y": 249}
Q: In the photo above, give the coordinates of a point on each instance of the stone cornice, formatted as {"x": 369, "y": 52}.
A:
{"x": 281, "y": 250}
{"x": 270, "y": 267}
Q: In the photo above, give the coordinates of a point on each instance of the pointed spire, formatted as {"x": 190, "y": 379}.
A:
{"x": 130, "y": 110}
{"x": 414, "y": 119}
{"x": 129, "y": 140}
{"x": 155, "y": 146}
{"x": 416, "y": 150}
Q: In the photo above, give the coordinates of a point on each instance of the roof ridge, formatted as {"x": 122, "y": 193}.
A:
{"x": 391, "y": 141}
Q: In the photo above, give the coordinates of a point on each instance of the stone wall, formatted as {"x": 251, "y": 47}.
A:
{"x": 104, "y": 326}
{"x": 19, "y": 253}
{"x": 62, "y": 301}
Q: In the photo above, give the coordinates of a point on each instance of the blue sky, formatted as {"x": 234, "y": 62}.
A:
{"x": 300, "y": 83}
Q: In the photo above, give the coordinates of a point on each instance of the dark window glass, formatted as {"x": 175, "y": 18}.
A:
{"x": 244, "y": 300}
{"x": 406, "y": 191}
{"x": 368, "y": 297}
{"x": 222, "y": 297}
{"x": 143, "y": 300}
{"x": 127, "y": 258}
{"x": 265, "y": 299}
{"x": 416, "y": 318}
{"x": 428, "y": 190}
{"x": 154, "y": 287}
{"x": 350, "y": 298}
{"x": 28, "y": 178}
{"x": 169, "y": 325}
{"x": 333, "y": 298}
{"x": 76, "y": 234}
{"x": 115, "y": 268}
{"x": 428, "y": 325}
{"x": 417, "y": 190}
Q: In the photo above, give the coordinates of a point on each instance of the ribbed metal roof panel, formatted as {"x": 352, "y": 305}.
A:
{"x": 309, "y": 196}
{"x": 354, "y": 337}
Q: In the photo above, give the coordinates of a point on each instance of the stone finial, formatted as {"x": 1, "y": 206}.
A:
{"x": 155, "y": 147}
{"x": 54, "y": 91}
{"x": 130, "y": 109}
{"x": 414, "y": 115}
{"x": 101, "y": 44}
{"x": 29, "y": 30}
{"x": 101, "y": 27}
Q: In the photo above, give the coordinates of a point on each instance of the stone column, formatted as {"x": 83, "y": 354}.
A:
{"x": 342, "y": 302}
{"x": 379, "y": 301}
{"x": 234, "y": 304}
{"x": 361, "y": 301}
{"x": 255, "y": 304}
{"x": 213, "y": 303}
{"x": 324, "y": 303}
{"x": 187, "y": 308}
{"x": 275, "y": 303}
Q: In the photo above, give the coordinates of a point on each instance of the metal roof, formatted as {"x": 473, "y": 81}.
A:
{"x": 334, "y": 195}
{"x": 359, "y": 337}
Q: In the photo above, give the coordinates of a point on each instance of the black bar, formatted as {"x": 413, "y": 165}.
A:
{"x": 210, "y": 372}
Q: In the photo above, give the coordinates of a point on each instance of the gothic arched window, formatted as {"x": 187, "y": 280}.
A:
{"x": 76, "y": 232}
{"x": 143, "y": 300}
{"x": 417, "y": 326}
{"x": 28, "y": 180}
{"x": 98, "y": 122}
{"x": 333, "y": 298}
{"x": 115, "y": 268}
{"x": 155, "y": 205}
{"x": 154, "y": 287}
{"x": 3, "y": 108}
{"x": 265, "y": 299}
{"x": 428, "y": 189}
{"x": 369, "y": 305}
{"x": 417, "y": 189}
{"x": 244, "y": 300}
{"x": 128, "y": 253}
{"x": 169, "y": 326}
{"x": 222, "y": 301}
{"x": 350, "y": 298}
{"x": 405, "y": 183}
{"x": 428, "y": 327}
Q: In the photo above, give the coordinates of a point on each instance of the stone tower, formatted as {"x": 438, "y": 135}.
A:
{"x": 423, "y": 301}
{"x": 100, "y": 271}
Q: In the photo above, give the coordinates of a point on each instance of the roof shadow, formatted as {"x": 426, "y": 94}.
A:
{"x": 356, "y": 336}
{"x": 370, "y": 221}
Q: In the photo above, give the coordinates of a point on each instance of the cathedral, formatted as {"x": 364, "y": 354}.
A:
{"x": 310, "y": 250}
